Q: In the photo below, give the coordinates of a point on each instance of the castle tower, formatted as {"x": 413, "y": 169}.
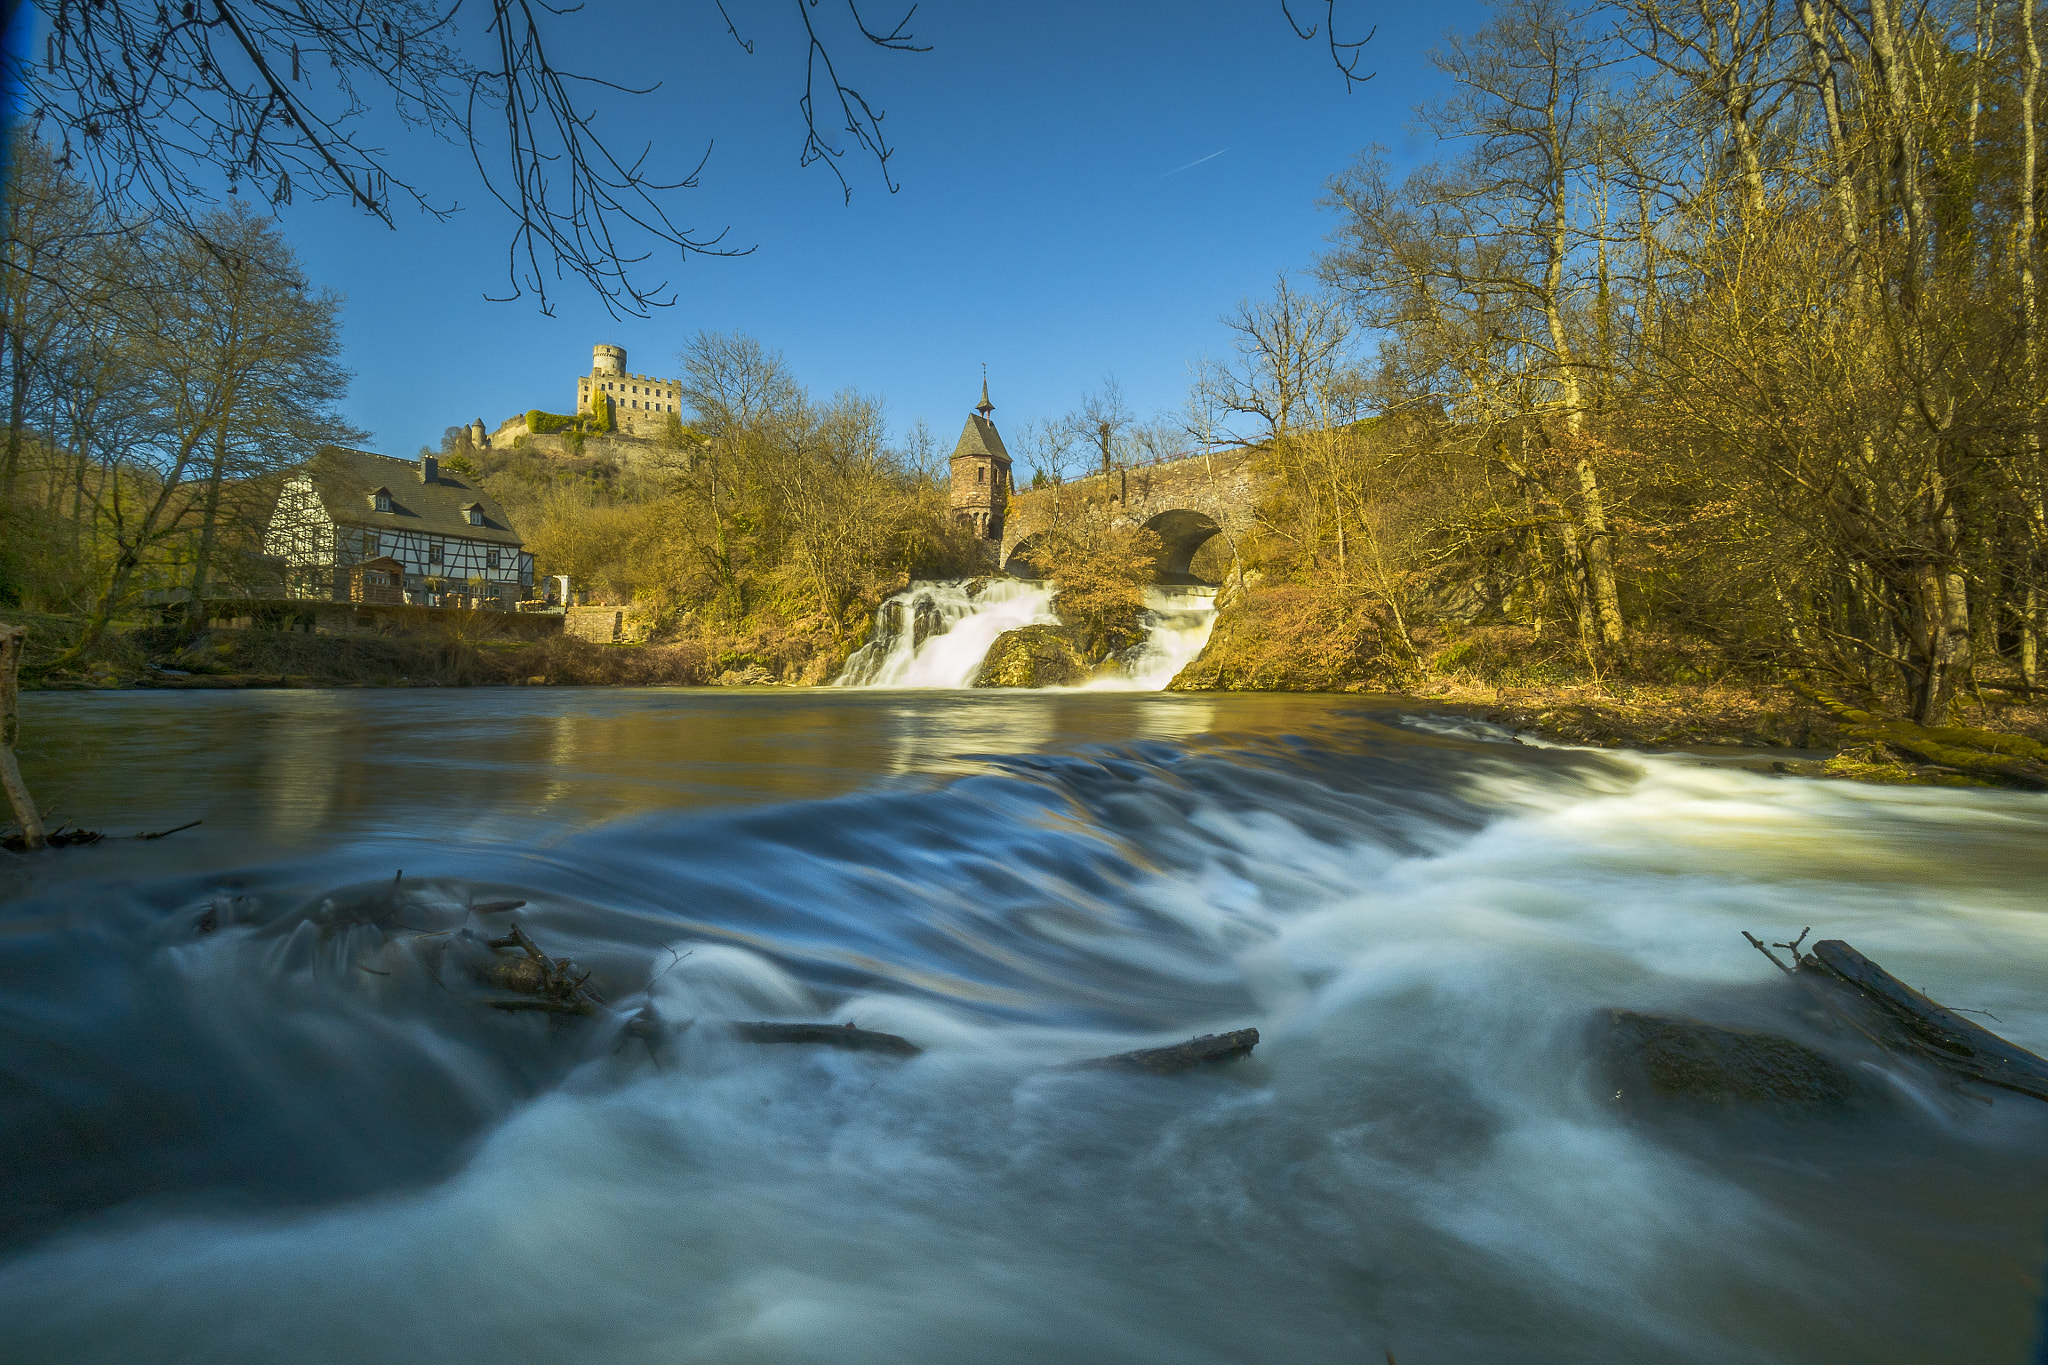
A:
{"x": 981, "y": 472}
{"x": 642, "y": 405}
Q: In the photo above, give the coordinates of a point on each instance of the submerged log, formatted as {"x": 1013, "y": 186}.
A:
{"x": 1902, "y": 1019}
{"x": 844, "y": 1036}
{"x": 66, "y": 837}
{"x": 56, "y": 838}
{"x": 1211, "y": 1049}
{"x": 1899, "y": 1019}
{"x": 1666, "y": 1058}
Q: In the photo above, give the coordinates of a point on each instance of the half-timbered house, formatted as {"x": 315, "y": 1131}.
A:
{"x": 353, "y": 526}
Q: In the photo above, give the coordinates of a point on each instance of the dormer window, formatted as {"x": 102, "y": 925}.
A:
{"x": 474, "y": 513}
{"x": 381, "y": 500}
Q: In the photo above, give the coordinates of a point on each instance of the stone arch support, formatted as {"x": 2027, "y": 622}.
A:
{"x": 1181, "y": 532}
{"x": 1187, "y": 501}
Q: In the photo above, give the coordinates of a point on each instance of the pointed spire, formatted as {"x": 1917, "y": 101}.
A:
{"x": 984, "y": 407}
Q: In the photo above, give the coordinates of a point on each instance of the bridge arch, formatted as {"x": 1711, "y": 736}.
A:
{"x": 1181, "y": 531}
{"x": 1027, "y": 556}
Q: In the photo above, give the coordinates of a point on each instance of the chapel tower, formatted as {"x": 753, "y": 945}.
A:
{"x": 981, "y": 472}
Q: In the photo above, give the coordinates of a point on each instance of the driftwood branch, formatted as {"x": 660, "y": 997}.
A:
{"x": 528, "y": 979}
{"x": 844, "y": 1036}
{"x": 525, "y": 979}
{"x": 1211, "y": 1049}
{"x": 1892, "y": 1015}
{"x": 1904, "y": 1020}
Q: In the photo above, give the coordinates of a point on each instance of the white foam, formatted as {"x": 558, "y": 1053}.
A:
{"x": 961, "y": 627}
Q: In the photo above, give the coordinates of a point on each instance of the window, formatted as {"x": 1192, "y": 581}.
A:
{"x": 473, "y": 514}
{"x": 980, "y": 474}
{"x": 381, "y": 500}
{"x": 490, "y": 559}
{"x": 433, "y": 554}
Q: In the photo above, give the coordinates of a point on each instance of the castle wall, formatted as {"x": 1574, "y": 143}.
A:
{"x": 641, "y": 404}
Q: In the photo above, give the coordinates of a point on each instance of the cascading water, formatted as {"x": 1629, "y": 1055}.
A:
{"x": 936, "y": 634}
{"x": 254, "y": 1111}
{"x": 1177, "y": 623}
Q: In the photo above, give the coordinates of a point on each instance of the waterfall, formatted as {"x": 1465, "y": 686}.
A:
{"x": 1177, "y": 622}
{"x": 936, "y": 634}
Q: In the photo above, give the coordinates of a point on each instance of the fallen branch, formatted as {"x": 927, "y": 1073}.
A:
{"x": 1211, "y": 1049}
{"x": 179, "y": 829}
{"x": 528, "y": 979}
{"x": 58, "y": 838}
{"x": 844, "y": 1036}
{"x": 1905, "y": 1020}
{"x": 1899, "y": 1019}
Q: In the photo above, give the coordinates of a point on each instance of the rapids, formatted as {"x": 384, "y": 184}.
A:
{"x": 936, "y": 634}
{"x": 242, "y": 1123}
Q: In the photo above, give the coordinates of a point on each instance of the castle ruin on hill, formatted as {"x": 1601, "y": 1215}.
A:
{"x": 641, "y": 406}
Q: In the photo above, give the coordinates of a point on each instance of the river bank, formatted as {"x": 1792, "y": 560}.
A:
{"x": 1538, "y": 691}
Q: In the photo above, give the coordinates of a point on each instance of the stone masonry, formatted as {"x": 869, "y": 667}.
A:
{"x": 1186, "y": 501}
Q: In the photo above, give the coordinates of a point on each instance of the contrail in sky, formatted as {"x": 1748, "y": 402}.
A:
{"x": 1196, "y": 162}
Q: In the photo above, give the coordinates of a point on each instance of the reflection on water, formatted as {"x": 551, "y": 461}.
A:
{"x": 244, "y": 1117}
{"x": 297, "y": 770}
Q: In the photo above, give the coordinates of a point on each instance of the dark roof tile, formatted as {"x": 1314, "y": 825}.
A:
{"x": 980, "y": 437}
{"x": 346, "y": 480}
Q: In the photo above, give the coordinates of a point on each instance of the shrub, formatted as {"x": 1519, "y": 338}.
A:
{"x": 1102, "y": 590}
{"x": 544, "y": 423}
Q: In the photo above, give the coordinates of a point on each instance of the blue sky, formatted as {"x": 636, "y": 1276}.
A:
{"x": 1084, "y": 189}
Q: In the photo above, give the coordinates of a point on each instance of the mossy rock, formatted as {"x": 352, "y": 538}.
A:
{"x": 1652, "y": 1061}
{"x": 1290, "y": 638}
{"x": 1032, "y": 656}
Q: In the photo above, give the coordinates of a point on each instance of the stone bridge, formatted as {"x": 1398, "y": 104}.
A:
{"x": 1185, "y": 501}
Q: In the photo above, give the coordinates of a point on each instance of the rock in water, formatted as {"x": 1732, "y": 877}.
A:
{"x": 926, "y": 620}
{"x": 1032, "y": 656}
{"x": 1651, "y": 1058}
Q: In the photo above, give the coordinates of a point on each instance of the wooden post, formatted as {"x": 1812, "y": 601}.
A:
{"x": 12, "y": 641}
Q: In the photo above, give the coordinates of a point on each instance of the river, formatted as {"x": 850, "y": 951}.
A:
{"x": 244, "y": 1121}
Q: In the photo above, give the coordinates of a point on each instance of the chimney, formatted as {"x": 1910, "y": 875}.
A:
{"x": 430, "y": 469}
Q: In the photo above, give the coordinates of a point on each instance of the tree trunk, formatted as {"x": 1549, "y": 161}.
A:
{"x": 2030, "y": 636}
{"x": 2027, "y": 249}
{"x": 1599, "y": 556}
{"x": 209, "y": 525}
{"x": 12, "y": 639}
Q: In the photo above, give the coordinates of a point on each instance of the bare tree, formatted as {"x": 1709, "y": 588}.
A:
{"x": 1286, "y": 353}
{"x": 1103, "y": 423}
{"x": 156, "y": 101}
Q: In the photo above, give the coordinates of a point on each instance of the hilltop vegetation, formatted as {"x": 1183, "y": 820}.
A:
{"x": 765, "y": 533}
